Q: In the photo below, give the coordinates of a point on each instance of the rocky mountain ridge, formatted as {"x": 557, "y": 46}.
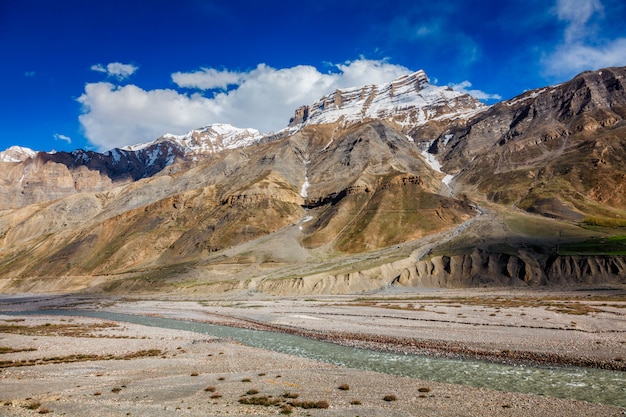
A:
{"x": 433, "y": 189}
{"x": 557, "y": 151}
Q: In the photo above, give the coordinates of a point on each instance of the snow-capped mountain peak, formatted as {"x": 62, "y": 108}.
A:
{"x": 16, "y": 154}
{"x": 409, "y": 100}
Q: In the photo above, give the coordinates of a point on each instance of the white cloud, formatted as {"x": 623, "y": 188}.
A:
{"x": 364, "y": 71}
{"x": 581, "y": 48}
{"x": 577, "y": 13}
{"x": 263, "y": 98}
{"x": 206, "y": 79}
{"x": 464, "y": 87}
{"x": 116, "y": 70}
{"x": 570, "y": 59}
{"x": 58, "y": 136}
{"x": 117, "y": 116}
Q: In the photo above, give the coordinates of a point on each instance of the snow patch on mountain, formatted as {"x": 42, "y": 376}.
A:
{"x": 305, "y": 186}
{"x": 434, "y": 164}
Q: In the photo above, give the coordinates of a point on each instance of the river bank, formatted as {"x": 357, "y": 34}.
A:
{"x": 85, "y": 366}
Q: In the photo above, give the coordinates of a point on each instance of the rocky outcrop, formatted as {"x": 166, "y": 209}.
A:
{"x": 300, "y": 116}
{"x": 50, "y": 176}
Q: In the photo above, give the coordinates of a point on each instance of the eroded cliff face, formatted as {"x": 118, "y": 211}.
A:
{"x": 475, "y": 270}
{"x": 480, "y": 269}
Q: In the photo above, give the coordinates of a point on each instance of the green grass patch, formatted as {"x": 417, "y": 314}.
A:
{"x": 612, "y": 245}
{"x": 604, "y": 221}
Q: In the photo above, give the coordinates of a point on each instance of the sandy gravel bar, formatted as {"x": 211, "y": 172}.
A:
{"x": 197, "y": 375}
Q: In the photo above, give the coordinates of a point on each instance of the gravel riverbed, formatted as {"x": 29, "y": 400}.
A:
{"x": 78, "y": 366}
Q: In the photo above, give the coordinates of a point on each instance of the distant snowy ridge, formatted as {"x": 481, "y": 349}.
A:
{"x": 409, "y": 100}
{"x": 209, "y": 139}
{"x": 17, "y": 154}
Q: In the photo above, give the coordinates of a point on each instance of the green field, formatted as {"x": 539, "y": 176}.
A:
{"x": 612, "y": 245}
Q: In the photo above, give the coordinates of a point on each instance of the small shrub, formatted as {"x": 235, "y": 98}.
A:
{"x": 262, "y": 374}
{"x": 424, "y": 389}
{"x": 286, "y": 409}
{"x": 116, "y": 390}
{"x": 264, "y": 401}
{"x": 246, "y": 380}
{"x": 216, "y": 396}
{"x": 194, "y": 374}
{"x": 344, "y": 387}
{"x": 221, "y": 378}
{"x": 210, "y": 389}
{"x": 310, "y": 404}
{"x": 355, "y": 402}
{"x": 291, "y": 395}
{"x": 97, "y": 393}
{"x": 44, "y": 410}
{"x": 390, "y": 398}
{"x": 252, "y": 392}
{"x": 33, "y": 405}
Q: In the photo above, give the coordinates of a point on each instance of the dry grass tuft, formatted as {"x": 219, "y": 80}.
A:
{"x": 80, "y": 358}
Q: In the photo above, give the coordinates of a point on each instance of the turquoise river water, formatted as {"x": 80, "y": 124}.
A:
{"x": 595, "y": 385}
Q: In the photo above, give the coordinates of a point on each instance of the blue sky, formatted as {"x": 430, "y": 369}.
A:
{"x": 104, "y": 74}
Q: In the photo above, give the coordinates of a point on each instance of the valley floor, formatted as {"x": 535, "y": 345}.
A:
{"x": 80, "y": 366}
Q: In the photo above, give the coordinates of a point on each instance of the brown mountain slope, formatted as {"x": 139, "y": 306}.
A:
{"x": 558, "y": 151}
{"x": 369, "y": 188}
